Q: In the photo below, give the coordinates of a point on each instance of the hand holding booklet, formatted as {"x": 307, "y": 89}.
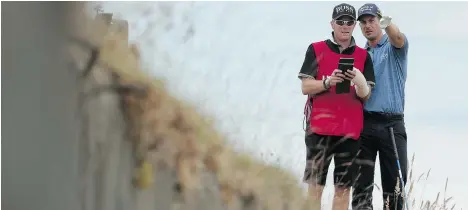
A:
{"x": 344, "y": 65}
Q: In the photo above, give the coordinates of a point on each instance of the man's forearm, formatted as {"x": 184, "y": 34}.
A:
{"x": 397, "y": 39}
{"x": 312, "y": 86}
{"x": 363, "y": 94}
{"x": 361, "y": 85}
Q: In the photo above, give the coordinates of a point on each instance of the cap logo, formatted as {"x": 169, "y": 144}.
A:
{"x": 344, "y": 8}
{"x": 369, "y": 8}
{"x": 366, "y": 8}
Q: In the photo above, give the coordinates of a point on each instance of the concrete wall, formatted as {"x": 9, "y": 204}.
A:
{"x": 39, "y": 164}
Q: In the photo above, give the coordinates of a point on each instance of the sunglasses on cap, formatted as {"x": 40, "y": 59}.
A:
{"x": 343, "y": 22}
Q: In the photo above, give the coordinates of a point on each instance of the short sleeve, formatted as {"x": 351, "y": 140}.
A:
{"x": 403, "y": 51}
{"x": 369, "y": 71}
{"x": 310, "y": 65}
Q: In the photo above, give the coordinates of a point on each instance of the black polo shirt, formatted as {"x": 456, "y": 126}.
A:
{"x": 310, "y": 66}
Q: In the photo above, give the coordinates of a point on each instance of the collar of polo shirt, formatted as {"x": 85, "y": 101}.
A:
{"x": 332, "y": 39}
{"x": 383, "y": 41}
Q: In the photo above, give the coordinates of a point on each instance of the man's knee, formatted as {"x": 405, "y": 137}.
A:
{"x": 316, "y": 190}
{"x": 315, "y": 176}
{"x": 317, "y": 162}
{"x": 346, "y": 168}
{"x": 403, "y": 159}
{"x": 341, "y": 191}
{"x": 400, "y": 137}
{"x": 345, "y": 174}
{"x": 362, "y": 196}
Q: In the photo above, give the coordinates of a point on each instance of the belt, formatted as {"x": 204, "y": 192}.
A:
{"x": 383, "y": 115}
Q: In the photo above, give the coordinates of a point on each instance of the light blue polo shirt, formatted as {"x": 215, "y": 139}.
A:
{"x": 390, "y": 67}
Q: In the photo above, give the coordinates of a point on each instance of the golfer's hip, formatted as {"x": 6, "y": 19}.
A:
{"x": 383, "y": 116}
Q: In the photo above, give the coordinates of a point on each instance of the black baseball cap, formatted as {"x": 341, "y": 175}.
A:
{"x": 344, "y": 10}
{"x": 369, "y": 9}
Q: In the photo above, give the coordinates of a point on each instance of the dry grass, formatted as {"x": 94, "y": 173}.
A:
{"x": 188, "y": 142}
{"x": 440, "y": 203}
{"x": 167, "y": 131}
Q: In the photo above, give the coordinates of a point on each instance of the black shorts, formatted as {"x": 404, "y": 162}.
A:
{"x": 320, "y": 150}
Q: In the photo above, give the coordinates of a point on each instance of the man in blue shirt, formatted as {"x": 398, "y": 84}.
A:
{"x": 383, "y": 112}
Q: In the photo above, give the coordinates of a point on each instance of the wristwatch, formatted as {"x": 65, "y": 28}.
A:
{"x": 326, "y": 85}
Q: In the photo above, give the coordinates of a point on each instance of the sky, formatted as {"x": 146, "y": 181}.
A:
{"x": 238, "y": 62}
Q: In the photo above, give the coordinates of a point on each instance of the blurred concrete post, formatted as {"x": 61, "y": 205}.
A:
{"x": 45, "y": 166}
{"x": 39, "y": 144}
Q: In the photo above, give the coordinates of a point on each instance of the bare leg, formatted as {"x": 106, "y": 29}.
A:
{"x": 341, "y": 198}
{"x": 315, "y": 194}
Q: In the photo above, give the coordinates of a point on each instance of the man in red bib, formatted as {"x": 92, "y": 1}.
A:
{"x": 335, "y": 121}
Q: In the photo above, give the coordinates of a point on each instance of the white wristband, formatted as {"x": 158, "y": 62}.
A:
{"x": 362, "y": 90}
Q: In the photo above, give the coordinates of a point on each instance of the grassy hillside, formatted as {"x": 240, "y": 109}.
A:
{"x": 169, "y": 136}
{"x": 178, "y": 153}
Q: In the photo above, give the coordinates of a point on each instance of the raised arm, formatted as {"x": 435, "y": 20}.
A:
{"x": 397, "y": 39}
